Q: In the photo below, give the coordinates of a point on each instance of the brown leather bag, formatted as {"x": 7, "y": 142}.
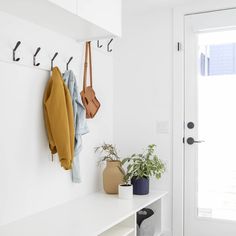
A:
{"x": 88, "y": 97}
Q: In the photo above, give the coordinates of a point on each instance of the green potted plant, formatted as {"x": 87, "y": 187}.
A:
{"x": 113, "y": 174}
{"x": 140, "y": 167}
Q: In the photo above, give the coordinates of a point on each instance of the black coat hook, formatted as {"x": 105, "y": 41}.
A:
{"x": 14, "y": 51}
{"x": 34, "y": 57}
{"x": 53, "y": 59}
{"x": 98, "y": 44}
{"x": 67, "y": 64}
{"x": 108, "y": 46}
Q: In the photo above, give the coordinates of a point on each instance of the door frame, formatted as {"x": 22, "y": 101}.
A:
{"x": 179, "y": 14}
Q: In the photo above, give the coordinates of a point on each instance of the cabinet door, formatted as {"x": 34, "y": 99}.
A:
{"x": 69, "y": 5}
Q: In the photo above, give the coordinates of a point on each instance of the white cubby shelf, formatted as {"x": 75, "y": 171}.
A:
{"x": 97, "y": 214}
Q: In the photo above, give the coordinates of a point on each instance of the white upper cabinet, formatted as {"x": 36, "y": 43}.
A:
{"x": 104, "y": 13}
{"x": 78, "y": 19}
{"x": 69, "y": 5}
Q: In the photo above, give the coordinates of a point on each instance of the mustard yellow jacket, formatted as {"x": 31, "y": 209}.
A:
{"x": 59, "y": 119}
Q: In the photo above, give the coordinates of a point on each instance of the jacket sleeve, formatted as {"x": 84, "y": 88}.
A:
{"x": 46, "y": 120}
{"x": 56, "y": 110}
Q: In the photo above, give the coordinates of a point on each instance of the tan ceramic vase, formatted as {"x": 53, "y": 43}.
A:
{"x": 112, "y": 177}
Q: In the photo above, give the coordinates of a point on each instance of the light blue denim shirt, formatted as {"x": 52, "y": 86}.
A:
{"x": 80, "y": 122}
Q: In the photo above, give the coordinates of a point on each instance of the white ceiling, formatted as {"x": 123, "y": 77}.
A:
{"x": 143, "y": 5}
{"x": 159, "y": 2}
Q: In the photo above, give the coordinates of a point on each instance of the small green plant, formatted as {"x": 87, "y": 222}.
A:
{"x": 109, "y": 152}
{"x": 144, "y": 165}
{"x": 126, "y": 178}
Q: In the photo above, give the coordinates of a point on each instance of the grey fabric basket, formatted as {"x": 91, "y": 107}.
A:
{"x": 147, "y": 227}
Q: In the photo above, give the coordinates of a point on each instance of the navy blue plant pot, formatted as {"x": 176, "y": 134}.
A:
{"x": 140, "y": 186}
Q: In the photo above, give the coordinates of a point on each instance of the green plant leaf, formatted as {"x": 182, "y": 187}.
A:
{"x": 146, "y": 164}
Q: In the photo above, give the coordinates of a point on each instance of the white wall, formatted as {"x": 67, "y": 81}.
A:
{"x": 104, "y": 13}
{"x": 143, "y": 90}
{"x": 29, "y": 181}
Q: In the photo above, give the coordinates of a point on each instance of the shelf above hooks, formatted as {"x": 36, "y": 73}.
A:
{"x": 80, "y": 27}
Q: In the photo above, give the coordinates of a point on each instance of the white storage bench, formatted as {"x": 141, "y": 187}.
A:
{"x": 97, "y": 214}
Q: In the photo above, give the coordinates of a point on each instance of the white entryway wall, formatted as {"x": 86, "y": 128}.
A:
{"x": 29, "y": 181}
{"x": 143, "y": 91}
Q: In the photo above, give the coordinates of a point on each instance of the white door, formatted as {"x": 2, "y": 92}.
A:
{"x": 210, "y": 115}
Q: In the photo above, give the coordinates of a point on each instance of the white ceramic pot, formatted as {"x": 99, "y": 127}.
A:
{"x": 125, "y": 191}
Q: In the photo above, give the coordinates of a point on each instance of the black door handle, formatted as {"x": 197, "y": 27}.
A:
{"x": 191, "y": 141}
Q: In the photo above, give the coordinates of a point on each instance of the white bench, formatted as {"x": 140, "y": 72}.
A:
{"x": 96, "y": 214}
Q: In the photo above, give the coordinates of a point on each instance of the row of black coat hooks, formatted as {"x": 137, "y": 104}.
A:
{"x": 55, "y": 55}
{"x": 108, "y": 45}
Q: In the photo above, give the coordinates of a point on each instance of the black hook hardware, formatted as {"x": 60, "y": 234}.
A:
{"x": 67, "y": 64}
{"x": 108, "y": 46}
{"x": 34, "y": 57}
{"x": 53, "y": 59}
{"x": 14, "y": 51}
{"x": 98, "y": 44}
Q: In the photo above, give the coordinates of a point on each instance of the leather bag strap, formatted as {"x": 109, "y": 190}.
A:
{"x": 90, "y": 65}
{"x": 88, "y": 55}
